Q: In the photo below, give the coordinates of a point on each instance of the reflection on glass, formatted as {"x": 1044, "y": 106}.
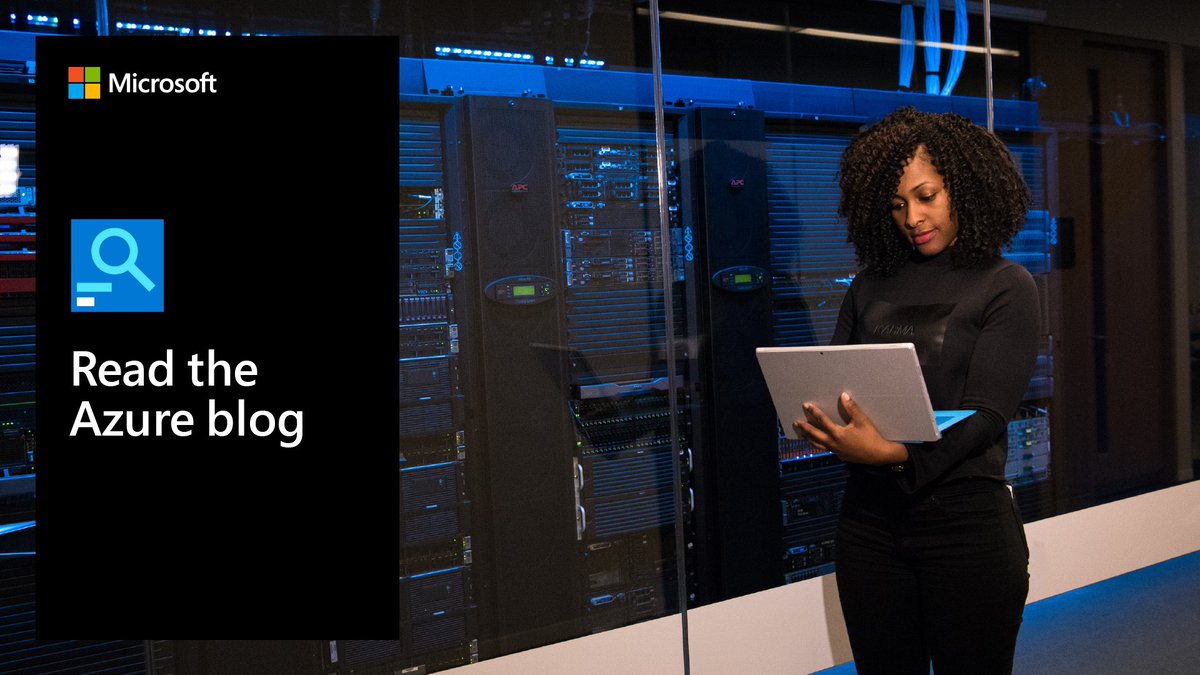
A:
{"x": 535, "y": 464}
{"x": 538, "y": 434}
{"x": 537, "y": 454}
{"x": 560, "y": 416}
{"x": 796, "y": 133}
{"x": 812, "y": 266}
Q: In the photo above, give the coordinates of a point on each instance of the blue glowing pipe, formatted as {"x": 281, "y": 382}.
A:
{"x": 960, "y": 41}
{"x": 933, "y": 53}
{"x": 908, "y": 44}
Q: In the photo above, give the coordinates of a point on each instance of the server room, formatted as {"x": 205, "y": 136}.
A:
{"x": 605, "y": 207}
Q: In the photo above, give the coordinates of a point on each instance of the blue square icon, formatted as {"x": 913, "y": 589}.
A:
{"x": 74, "y": 90}
{"x": 116, "y": 265}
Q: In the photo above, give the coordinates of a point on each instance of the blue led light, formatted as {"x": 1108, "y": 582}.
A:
{"x": 76, "y": 22}
{"x": 428, "y": 467}
{"x": 429, "y": 574}
{"x": 484, "y": 54}
{"x": 155, "y": 28}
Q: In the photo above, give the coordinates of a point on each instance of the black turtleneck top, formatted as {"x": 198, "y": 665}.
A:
{"x": 976, "y": 335}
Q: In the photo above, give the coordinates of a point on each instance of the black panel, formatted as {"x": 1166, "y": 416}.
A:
{"x": 518, "y": 379}
{"x": 247, "y": 657}
{"x": 737, "y": 477}
{"x": 169, "y": 525}
{"x": 366, "y": 652}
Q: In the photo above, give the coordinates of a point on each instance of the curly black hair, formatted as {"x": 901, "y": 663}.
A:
{"x": 988, "y": 196}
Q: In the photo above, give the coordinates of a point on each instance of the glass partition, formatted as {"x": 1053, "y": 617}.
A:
{"x": 1191, "y": 79}
{"x": 530, "y": 218}
{"x": 587, "y": 442}
{"x": 771, "y": 94}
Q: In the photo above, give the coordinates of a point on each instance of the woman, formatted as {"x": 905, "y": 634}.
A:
{"x": 932, "y": 562}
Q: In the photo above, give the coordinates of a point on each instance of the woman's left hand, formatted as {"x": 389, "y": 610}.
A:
{"x": 857, "y": 441}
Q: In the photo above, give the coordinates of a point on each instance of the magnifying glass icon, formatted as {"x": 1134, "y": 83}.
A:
{"x": 130, "y": 263}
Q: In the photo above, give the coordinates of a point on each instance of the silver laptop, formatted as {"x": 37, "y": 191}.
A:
{"x": 884, "y": 379}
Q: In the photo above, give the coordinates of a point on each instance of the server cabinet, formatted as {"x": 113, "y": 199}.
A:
{"x": 737, "y": 474}
{"x": 513, "y": 285}
{"x": 619, "y": 371}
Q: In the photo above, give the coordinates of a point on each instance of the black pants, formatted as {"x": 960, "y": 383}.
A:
{"x": 939, "y": 576}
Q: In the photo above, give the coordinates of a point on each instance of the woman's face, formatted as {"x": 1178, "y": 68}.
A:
{"x": 921, "y": 207}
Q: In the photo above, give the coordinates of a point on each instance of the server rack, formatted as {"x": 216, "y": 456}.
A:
{"x": 536, "y": 466}
{"x": 437, "y": 594}
{"x": 619, "y": 376}
{"x": 726, "y": 178}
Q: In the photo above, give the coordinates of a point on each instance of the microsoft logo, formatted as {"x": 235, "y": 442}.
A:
{"x": 83, "y": 82}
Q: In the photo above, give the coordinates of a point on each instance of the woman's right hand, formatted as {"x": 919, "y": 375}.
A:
{"x": 857, "y": 441}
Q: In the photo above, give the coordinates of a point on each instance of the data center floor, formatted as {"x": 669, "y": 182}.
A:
{"x": 1141, "y": 622}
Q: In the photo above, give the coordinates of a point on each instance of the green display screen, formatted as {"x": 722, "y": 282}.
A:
{"x": 741, "y": 278}
{"x": 522, "y": 291}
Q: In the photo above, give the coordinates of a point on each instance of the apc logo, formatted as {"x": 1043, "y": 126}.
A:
{"x": 83, "y": 82}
